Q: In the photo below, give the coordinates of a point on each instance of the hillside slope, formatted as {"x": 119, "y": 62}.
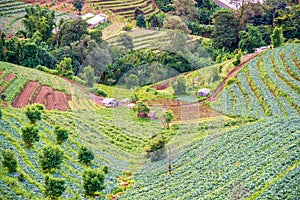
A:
{"x": 269, "y": 85}
{"x": 260, "y": 160}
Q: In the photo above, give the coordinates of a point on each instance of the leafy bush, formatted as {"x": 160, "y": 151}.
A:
{"x": 93, "y": 181}
{"x": 34, "y": 112}
{"x": 30, "y": 135}
{"x": 0, "y": 113}
{"x": 85, "y": 155}
{"x": 54, "y": 187}
{"x": 238, "y": 58}
{"x": 179, "y": 86}
{"x": 62, "y": 134}
{"x": 128, "y": 27}
{"x": 99, "y": 92}
{"x": 142, "y": 109}
{"x": 51, "y": 157}
{"x": 45, "y": 69}
{"x": 9, "y": 160}
{"x": 105, "y": 169}
{"x": 231, "y": 81}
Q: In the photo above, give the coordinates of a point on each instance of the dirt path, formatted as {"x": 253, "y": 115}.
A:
{"x": 231, "y": 74}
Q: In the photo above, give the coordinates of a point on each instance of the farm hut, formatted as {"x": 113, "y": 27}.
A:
{"x": 131, "y": 105}
{"x": 87, "y": 16}
{"x": 109, "y": 102}
{"x": 96, "y": 20}
{"x": 203, "y": 92}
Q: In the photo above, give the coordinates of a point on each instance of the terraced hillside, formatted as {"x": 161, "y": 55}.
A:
{"x": 257, "y": 161}
{"x": 116, "y": 141}
{"x": 12, "y": 13}
{"x": 269, "y": 85}
{"x": 145, "y": 39}
{"x": 126, "y": 8}
{"x": 22, "y": 86}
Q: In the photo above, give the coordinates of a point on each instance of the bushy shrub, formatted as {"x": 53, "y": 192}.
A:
{"x": 99, "y": 92}
{"x": 231, "y": 81}
{"x": 51, "y": 157}
{"x": 105, "y": 169}
{"x": 0, "y": 113}
{"x": 85, "y": 156}
{"x": 9, "y": 160}
{"x": 30, "y": 134}
{"x": 62, "y": 134}
{"x": 34, "y": 112}
{"x": 54, "y": 187}
{"x": 93, "y": 181}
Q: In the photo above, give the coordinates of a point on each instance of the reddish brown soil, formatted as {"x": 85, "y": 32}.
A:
{"x": 24, "y": 98}
{"x": 96, "y": 99}
{"x": 9, "y": 77}
{"x": 185, "y": 112}
{"x": 52, "y": 99}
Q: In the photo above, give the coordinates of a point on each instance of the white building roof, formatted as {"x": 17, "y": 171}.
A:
{"x": 87, "y": 16}
{"x": 204, "y": 90}
{"x": 97, "y": 19}
{"x": 108, "y": 100}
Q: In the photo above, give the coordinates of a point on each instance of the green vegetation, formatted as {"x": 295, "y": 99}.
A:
{"x": 162, "y": 137}
{"x": 85, "y": 155}
{"x": 93, "y": 181}
{"x": 264, "y": 87}
{"x": 51, "y": 157}
{"x": 30, "y": 134}
{"x": 9, "y": 160}
{"x": 54, "y": 187}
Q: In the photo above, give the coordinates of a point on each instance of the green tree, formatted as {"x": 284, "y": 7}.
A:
{"x": 51, "y": 157}
{"x": 176, "y": 23}
{"x": 167, "y": 117}
{"x": 62, "y": 134}
{"x": 78, "y": 4}
{"x": 156, "y": 20}
{"x": 40, "y": 20}
{"x": 179, "y": 86}
{"x": 132, "y": 81}
{"x": 237, "y": 58}
{"x": 250, "y": 39}
{"x": 9, "y": 160}
{"x": 34, "y": 112}
{"x": 141, "y": 109}
{"x": 72, "y": 31}
{"x": 30, "y": 134}
{"x": 277, "y": 38}
{"x": 138, "y": 12}
{"x": 225, "y": 31}
{"x": 85, "y": 156}
{"x": 126, "y": 41}
{"x": 64, "y": 67}
{"x": 93, "y": 181}
{"x": 89, "y": 76}
{"x": 54, "y": 187}
{"x": 185, "y": 8}
{"x": 140, "y": 21}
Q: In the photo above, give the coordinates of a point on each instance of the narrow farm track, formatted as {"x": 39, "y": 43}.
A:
{"x": 230, "y": 75}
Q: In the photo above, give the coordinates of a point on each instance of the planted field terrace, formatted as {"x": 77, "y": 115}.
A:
{"x": 12, "y": 13}
{"x": 116, "y": 142}
{"x": 126, "y": 8}
{"x": 23, "y": 86}
{"x": 269, "y": 85}
{"x": 252, "y": 162}
{"x": 145, "y": 38}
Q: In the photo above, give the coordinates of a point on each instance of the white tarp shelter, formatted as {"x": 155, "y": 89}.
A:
{"x": 109, "y": 102}
{"x": 87, "y": 16}
{"x": 203, "y": 92}
{"x": 96, "y": 20}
